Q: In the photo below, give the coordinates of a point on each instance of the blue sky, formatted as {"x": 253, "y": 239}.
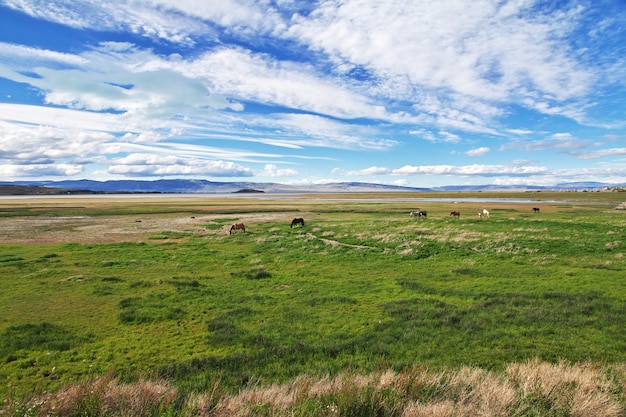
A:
{"x": 416, "y": 92}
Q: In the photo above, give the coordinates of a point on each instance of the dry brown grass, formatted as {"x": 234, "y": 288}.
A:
{"x": 532, "y": 388}
{"x": 169, "y": 214}
{"x": 102, "y": 396}
{"x": 584, "y": 389}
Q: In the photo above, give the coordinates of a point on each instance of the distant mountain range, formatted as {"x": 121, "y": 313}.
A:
{"x": 183, "y": 186}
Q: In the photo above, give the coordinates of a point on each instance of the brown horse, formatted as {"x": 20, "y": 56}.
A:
{"x": 455, "y": 214}
{"x": 237, "y": 226}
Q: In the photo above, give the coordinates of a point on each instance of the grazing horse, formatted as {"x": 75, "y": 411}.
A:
{"x": 298, "y": 221}
{"x": 535, "y": 209}
{"x": 237, "y": 226}
{"x": 486, "y": 213}
{"x": 455, "y": 214}
{"x": 418, "y": 214}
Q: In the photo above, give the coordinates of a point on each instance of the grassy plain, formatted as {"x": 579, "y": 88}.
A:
{"x": 156, "y": 288}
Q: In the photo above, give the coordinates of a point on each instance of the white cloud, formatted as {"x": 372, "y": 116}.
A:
{"x": 374, "y": 171}
{"x": 562, "y": 136}
{"x": 490, "y": 52}
{"x": 155, "y": 165}
{"x": 523, "y": 162}
{"x": 600, "y": 153}
{"x": 149, "y": 89}
{"x": 519, "y": 131}
{"x": 247, "y": 16}
{"x": 441, "y": 136}
{"x": 312, "y": 130}
{"x": 482, "y": 55}
{"x": 33, "y": 170}
{"x": 28, "y": 143}
{"x": 493, "y": 52}
{"x": 25, "y": 58}
{"x": 496, "y": 174}
{"x": 483, "y": 150}
{"x": 339, "y": 75}
{"x": 240, "y": 73}
{"x": 271, "y": 170}
{"x": 362, "y": 172}
{"x": 471, "y": 170}
{"x": 561, "y": 142}
{"x": 134, "y": 16}
{"x": 449, "y": 170}
{"x": 114, "y": 77}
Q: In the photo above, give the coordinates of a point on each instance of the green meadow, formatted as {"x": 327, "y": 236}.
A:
{"x": 157, "y": 288}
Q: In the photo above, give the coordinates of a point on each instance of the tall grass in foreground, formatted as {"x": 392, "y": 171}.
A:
{"x": 533, "y": 388}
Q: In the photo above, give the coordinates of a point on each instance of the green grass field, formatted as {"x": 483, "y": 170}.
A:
{"x": 169, "y": 294}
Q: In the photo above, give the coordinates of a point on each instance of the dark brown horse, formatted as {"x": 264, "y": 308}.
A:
{"x": 298, "y": 221}
{"x": 536, "y": 209}
{"x": 237, "y": 226}
{"x": 455, "y": 214}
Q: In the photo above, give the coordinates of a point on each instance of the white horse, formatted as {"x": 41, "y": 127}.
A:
{"x": 486, "y": 213}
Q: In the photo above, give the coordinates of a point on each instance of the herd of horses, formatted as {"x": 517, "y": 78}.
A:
{"x": 240, "y": 226}
{"x": 457, "y": 214}
{"x": 419, "y": 213}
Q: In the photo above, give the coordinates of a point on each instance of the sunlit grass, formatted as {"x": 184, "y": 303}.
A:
{"x": 362, "y": 287}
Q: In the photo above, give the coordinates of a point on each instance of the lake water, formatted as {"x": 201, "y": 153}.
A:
{"x": 277, "y": 196}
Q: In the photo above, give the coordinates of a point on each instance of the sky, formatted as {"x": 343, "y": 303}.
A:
{"x": 419, "y": 93}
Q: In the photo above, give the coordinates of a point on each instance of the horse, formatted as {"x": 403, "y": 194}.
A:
{"x": 298, "y": 221}
{"x": 455, "y": 214}
{"x": 418, "y": 214}
{"x": 486, "y": 213}
{"x": 535, "y": 209}
{"x": 237, "y": 226}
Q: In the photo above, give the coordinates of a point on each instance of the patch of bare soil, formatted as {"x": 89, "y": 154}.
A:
{"x": 44, "y": 230}
{"x": 49, "y": 230}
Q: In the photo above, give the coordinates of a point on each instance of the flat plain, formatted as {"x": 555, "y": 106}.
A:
{"x": 157, "y": 287}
